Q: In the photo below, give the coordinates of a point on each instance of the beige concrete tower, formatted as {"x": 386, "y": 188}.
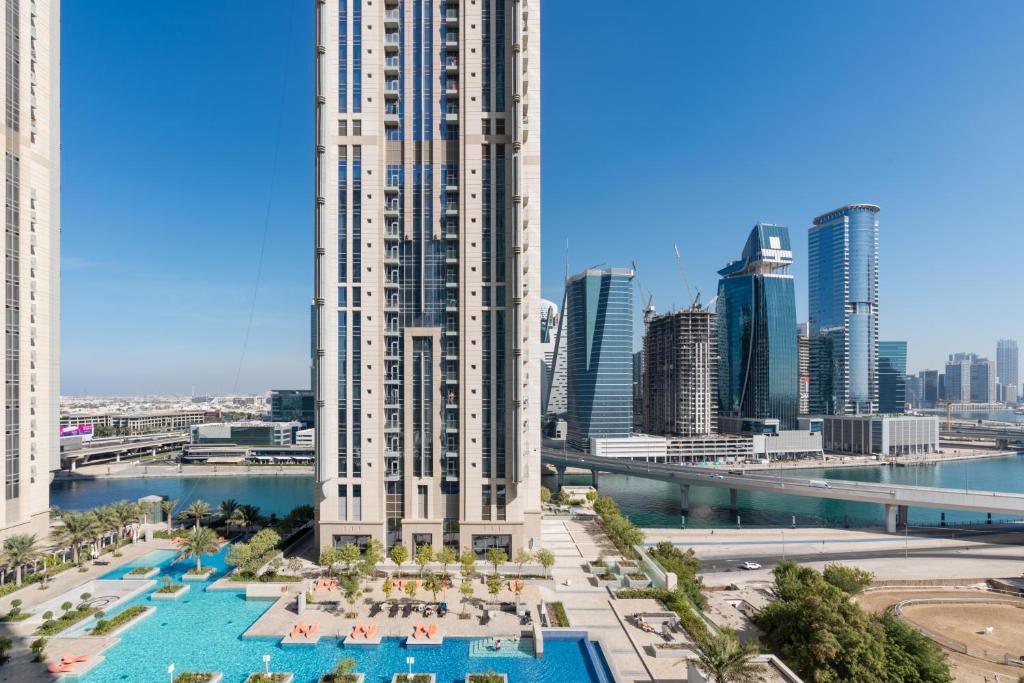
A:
{"x": 427, "y": 272}
{"x": 31, "y": 263}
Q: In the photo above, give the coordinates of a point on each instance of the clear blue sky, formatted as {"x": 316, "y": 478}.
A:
{"x": 686, "y": 122}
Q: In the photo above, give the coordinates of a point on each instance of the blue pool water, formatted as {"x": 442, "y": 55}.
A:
{"x": 202, "y": 632}
{"x": 157, "y": 558}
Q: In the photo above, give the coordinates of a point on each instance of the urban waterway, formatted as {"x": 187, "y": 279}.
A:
{"x": 648, "y": 503}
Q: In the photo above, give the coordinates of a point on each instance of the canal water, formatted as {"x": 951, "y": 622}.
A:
{"x": 648, "y": 503}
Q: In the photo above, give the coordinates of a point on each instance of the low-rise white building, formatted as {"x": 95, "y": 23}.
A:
{"x": 885, "y": 435}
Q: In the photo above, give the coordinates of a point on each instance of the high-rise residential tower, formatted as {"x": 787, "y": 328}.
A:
{"x": 930, "y": 394}
{"x": 427, "y": 272}
{"x": 843, "y": 294}
{"x": 599, "y": 321}
{"x": 892, "y": 377}
{"x": 31, "y": 263}
{"x": 803, "y": 354}
{"x": 1007, "y": 367}
{"x": 758, "y": 368}
{"x": 958, "y": 377}
{"x": 680, "y": 372}
{"x": 983, "y": 381}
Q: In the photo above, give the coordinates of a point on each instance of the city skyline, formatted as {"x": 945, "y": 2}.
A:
{"x": 117, "y": 244}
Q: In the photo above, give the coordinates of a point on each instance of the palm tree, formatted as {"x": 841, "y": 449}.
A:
{"x": 196, "y": 510}
{"x": 126, "y": 515}
{"x": 228, "y": 507}
{"x": 724, "y": 659}
{"x": 19, "y": 550}
{"x": 77, "y": 529}
{"x": 167, "y": 507}
{"x": 201, "y": 541}
{"x": 245, "y": 516}
{"x": 106, "y": 523}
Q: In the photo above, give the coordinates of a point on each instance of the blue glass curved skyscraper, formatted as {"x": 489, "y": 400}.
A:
{"x": 843, "y": 311}
{"x": 758, "y": 372}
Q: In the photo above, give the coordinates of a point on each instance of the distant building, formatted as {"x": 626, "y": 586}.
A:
{"x": 983, "y": 381}
{"x": 708, "y": 448}
{"x": 1007, "y": 367}
{"x": 548, "y": 340}
{"x": 249, "y": 433}
{"x": 843, "y": 311}
{"x": 555, "y": 356}
{"x": 638, "y": 391}
{"x": 599, "y": 304}
{"x": 758, "y": 370}
{"x": 804, "y": 367}
{"x": 771, "y": 442}
{"x": 915, "y": 391}
{"x": 930, "y": 388}
{"x": 892, "y": 377}
{"x": 958, "y": 378}
{"x": 147, "y": 422}
{"x": 680, "y": 373}
{"x": 287, "y": 405}
{"x": 885, "y": 435}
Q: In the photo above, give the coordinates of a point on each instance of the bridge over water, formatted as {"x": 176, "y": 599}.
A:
{"x": 897, "y": 498}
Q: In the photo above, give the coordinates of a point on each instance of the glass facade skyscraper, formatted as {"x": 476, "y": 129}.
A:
{"x": 843, "y": 310}
{"x": 599, "y": 321}
{"x": 758, "y": 366}
{"x": 1007, "y": 366}
{"x": 427, "y": 211}
{"x": 892, "y": 377}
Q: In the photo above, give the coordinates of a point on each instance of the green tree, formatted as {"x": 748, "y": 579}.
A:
{"x": 410, "y": 589}
{"x": 19, "y": 550}
{"x": 545, "y": 495}
{"x": 388, "y": 587}
{"x": 724, "y": 659}
{"x": 546, "y": 558}
{"x": 245, "y": 516}
{"x": 522, "y": 557}
{"x": 348, "y": 555}
{"x": 76, "y": 529}
{"x": 399, "y": 555}
{"x": 373, "y": 555}
{"x": 343, "y": 672}
{"x": 850, "y": 580}
{"x": 466, "y": 588}
{"x": 467, "y": 560}
{"x": 167, "y": 507}
{"x": 910, "y": 656}
{"x": 433, "y": 584}
{"x": 446, "y": 557}
{"x": 496, "y": 557}
{"x": 350, "y": 589}
{"x": 126, "y": 515}
{"x": 424, "y": 556}
{"x": 201, "y": 541}
{"x": 494, "y": 584}
{"x": 227, "y": 508}
{"x": 195, "y": 511}
{"x": 328, "y": 558}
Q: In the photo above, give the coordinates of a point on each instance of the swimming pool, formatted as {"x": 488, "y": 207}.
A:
{"x": 202, "y": 630}
{"x": 156, "y": 558}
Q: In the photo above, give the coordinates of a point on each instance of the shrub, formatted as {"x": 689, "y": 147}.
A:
{"x": 685, "y": 566}
{"x": 138, "y": 571}
{"x": 105, "y": 626}
{"x": 261, "y": 677}
{"x": 556, "y": 615}
{"x": 489, "y": 677}
{"x": 170, "y": 588}
{"x": 622, "y": 532}
{"x": 52, "y": 627}
{"x": 342, "y": 672}
{"x": 193, "y": 677}
{"x": 38, "y": 648}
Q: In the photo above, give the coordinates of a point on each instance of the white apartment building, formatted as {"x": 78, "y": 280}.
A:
{"x": 427, "y": 272}
{"x": 31, "y": 263}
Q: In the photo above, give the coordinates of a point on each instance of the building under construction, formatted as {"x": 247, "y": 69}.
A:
{"x": 680, "y": 373}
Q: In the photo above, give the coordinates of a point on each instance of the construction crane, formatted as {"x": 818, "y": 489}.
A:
{"x": 648, "y": 306}
{"x": 694, "y": 300}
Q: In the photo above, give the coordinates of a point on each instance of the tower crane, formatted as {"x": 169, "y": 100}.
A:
{"x": 648, "y": 306}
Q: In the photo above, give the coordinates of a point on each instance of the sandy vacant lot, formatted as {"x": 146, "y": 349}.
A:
{"x": 959, "y": 621}
{"x": 966, "y": 623}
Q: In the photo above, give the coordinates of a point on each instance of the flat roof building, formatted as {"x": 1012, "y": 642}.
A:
{"x": 884, "y": 435}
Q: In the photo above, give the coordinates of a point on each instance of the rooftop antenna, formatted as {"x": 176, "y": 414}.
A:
{"x": 695, "y": 301}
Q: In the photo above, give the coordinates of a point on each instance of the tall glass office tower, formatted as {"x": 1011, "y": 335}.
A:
{"x": 758, "y": 367}
{"x": 427, "y": 272}
{"x": 843, "y": 292}
{"x": 599, "y": 310}
{"x": 892, "y": 377}
{"x": 31, "y": 264}
{"x": 1007, "y": 365}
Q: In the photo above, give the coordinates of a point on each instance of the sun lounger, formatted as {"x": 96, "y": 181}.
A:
{"x": 371, "y": 631}
{"x": 58, "y": 668}
{"x": 311, "y": 630}
{"x": 297, "y": 630}
{"x": 73, "y": 659}
{"x": 432, "y": 631}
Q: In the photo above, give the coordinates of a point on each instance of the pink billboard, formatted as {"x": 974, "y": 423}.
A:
{"x": 84, "y": 431}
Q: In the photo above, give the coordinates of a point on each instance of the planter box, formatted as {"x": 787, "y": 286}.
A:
{"x": 287, "y": 677}
{"x": 148, "y": 575}
{"x": 673, "y": 653}
{"x": 609, "y": 583}
{"x": 207, "y": 573}
{"x": 360, "y": 678}
{"x": 501, "y": 677}
{"x": 638, "y": 583}
{"x": 400, "y": 678}
{"x": 594, "y": 569}
{"x": 218, "y": 677}
{"x": 150, "y": 611}
{"x": 171, "y": 596}
{"x": 625, "y": 567}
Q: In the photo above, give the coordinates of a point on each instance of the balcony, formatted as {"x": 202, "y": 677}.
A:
{"x": 451, "y": 427}
{"x": 391, "y": 257}
{"x": 452, "y": 116}
{"x": 391, "y": 41}
{"x": 391, "y": 90}
{"x": 451, "y": 182}
{"x": 451, "y": 88}
{"x": 451, "y": 208}
{"x": 451, "y": 40}
{"x": 451, "y": 65}
{"x": 451, "y": 16}
{"x": 392, "y": 17}
{"x": 392, "y": 65}
{"x": 392, "y": 208}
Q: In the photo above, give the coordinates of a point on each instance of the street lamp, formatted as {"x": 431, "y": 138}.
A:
{"x": 410, "y": 661}
{"x": 266, "y": 664}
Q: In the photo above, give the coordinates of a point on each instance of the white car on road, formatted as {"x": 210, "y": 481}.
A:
{"x": 750, "y": 565}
